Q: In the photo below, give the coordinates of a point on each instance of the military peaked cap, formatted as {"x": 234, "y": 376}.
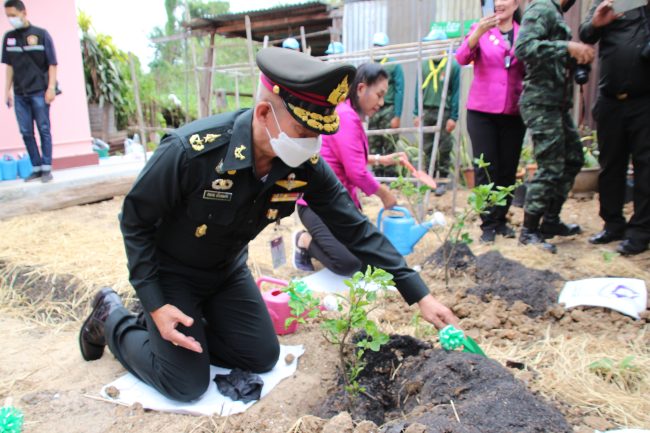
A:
{"x": 310, "y": 88}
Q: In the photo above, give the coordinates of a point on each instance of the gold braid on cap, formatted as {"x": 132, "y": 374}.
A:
{"x": 316, "y": 120}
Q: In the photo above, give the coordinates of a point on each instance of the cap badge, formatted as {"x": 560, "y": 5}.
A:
{"x": 239, "y": 154}
{"x": 222, "y": 184}
{"x": 339, "y": 94}
{"x": 197, "y": 143}
{"x": 201, "y": 231}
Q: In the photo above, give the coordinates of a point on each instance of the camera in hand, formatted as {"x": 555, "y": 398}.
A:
{"x": 581, "y": 74}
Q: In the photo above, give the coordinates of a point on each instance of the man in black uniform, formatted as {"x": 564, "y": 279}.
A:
{"x": 623, "y": 115}
{"x": 29, "y": 54}
{"x": 209, "y": 189}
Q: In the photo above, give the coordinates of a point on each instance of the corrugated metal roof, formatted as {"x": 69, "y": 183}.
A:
{"x": 282, "y": 8}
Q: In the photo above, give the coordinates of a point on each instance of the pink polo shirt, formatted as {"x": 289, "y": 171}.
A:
{"x": 347, "y": 153}
{"x": 495, "y": 89}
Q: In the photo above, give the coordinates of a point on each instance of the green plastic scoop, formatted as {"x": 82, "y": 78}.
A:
{"x": 452, "y": 338}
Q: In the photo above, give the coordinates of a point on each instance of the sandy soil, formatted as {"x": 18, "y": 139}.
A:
{"x": 42, "y": 371}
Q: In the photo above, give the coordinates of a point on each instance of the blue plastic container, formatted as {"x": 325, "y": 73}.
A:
{"x": 9, "y": 168}
{"x": 25, "y": 167}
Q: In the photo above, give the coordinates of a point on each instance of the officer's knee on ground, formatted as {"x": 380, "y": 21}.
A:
{"x": 266, "y": 358}
{"x": 346, "y": 269}
{"x": 186, "y": 389}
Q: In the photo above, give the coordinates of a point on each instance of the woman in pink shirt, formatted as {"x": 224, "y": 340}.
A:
{"x": 346, "y": 152}
{"x": 493, "y": 121}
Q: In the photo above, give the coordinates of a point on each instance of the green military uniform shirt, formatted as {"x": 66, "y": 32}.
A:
{"x": 395, "y": 94}
{"x": 199, "y": 202}
{"x": 433, "y": 82}
{"x": 542, "y": 44}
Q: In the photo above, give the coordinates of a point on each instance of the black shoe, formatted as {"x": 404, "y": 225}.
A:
{"x": 530, "y": 234}
{"x": 46, "y": 176}
{"x": 440, "y": 190}
{"x": 631, "y": 247}
{"x": 605, "y": 237}
{"x": 487, "y": 237}
{"x": 301, "y": 257}
{"x": 530, "y": 237}
{"x": 558, "y": 228}
{"x": 91, "y": 338}
{"x": 506, "y": 231}
{"x": 35, "y": 175}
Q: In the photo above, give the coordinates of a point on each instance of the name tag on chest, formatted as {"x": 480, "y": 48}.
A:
{"x": 217, "y": 195}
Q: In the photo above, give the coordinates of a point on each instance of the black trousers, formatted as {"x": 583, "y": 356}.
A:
{"x": 624, "y": 131}
{"x": 499, "y": 138}
{"x": 230, "y": 321}
{"x": 325, "y": 247}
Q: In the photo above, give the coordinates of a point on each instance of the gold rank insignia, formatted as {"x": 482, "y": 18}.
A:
{"x": 232, "y": 172}
{"x": 272, "y": 214}
{"x": 238, "y": 152}
{"x": 339, "y": 94}
{"x": 209, "y": 138}
{"x": 201, "y": 231}
{"x": 314, "y": 159}
{"x": 222, "y": 184}
{"x": 291, "y": 182}
{"x": 197, "y": 143}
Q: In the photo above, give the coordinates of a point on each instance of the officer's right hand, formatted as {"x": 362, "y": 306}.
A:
{"x": 167, "y": 318}
{"x": 9, "y": 101}
{"x": 604, "y": 14}
{"x": 583, "y": 53}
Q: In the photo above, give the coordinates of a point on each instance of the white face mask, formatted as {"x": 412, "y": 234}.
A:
{"x": 16, "y": 22}
{"x": 293, "y": 151}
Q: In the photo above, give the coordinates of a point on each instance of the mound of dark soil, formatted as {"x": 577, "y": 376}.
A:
{"x": 407, "y": 382}
{"x": 512, "y": 281}
{"x": 459, "y": 255}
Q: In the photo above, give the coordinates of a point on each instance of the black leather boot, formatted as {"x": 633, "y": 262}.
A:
{"x": 92, "y": 338}
{"x": 530, "y": 234}
{"x": 553, "y": 226}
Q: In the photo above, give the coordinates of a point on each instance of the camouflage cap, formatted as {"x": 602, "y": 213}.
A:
{"x": 310, "y": 88}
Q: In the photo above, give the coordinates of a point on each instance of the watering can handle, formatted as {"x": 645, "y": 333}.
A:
{"x": 271, "y": 280}
{"x": 394, "y": 208}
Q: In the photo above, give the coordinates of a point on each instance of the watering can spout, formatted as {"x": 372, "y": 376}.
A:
{"x": 418, "y": 231}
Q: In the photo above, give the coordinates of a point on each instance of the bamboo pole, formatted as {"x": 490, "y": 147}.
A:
{"x": 303, "y": 39}
{"x": 251, "y": 56}
{"x": 197, "y": 80}
{"x": 138, "y": 106}
{"x": 209, "y": 79}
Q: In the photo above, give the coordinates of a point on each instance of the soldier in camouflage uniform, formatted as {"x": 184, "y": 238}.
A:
{"x": 545, "y": 46}
{"x": 433, "y": 80}
{"x": 390, "y": 114}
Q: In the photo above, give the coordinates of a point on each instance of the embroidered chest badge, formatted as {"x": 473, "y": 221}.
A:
{"x": 197, "y": 143}
{"x": 291, "y": 183}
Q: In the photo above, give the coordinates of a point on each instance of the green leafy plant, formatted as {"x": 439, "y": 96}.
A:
{"x": 623, "y": 374}
{"x": 589, "y": 140}
{"x": 348, "y": 327}
{"x": 481, "y": 198}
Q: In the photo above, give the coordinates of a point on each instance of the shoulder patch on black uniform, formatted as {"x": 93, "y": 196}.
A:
{"x": 203, "y": 141}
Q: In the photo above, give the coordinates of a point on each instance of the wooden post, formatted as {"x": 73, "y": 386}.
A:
{"x": 251, "y": 56}
{"x": 303, "y": 39}
{"x": 208, "y": 78}
{"x": 138, "y": 106}
{"x": 194, "y": 62}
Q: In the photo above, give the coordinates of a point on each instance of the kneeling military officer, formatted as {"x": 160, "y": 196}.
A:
{"x": 209, "y": 189}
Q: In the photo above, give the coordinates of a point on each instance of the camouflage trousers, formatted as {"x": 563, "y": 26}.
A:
{"x": 558, "y": 153}
{"x": 445, "y": 145}
{"x": 382, "y": 144}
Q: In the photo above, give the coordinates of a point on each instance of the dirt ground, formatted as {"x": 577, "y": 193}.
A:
{"x": 52, "y": 264}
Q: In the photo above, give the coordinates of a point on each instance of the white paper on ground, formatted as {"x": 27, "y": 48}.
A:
{"x": 627, "y": 295}
{"x": 627, "y": 430}
{"x": 326, "y": 281}
{"x": 132, "y": 390}
{"x": 621, "y": 6}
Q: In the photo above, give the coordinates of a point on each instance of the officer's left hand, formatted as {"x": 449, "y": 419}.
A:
{"x": 50, "y": 94}
{"x": 434, "y": 312}
{"x": 604, "y": 14}
{"x": 450, "y": 126}
{"x": 167, "y": 318}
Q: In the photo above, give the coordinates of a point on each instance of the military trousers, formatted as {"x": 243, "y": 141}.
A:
{"x": 231, "y": 322}
{"x": 382, "y": 144}
{"x": 624, "y": 132}
{"x": 445, "y": 145}
{"x": 558, "y": 152}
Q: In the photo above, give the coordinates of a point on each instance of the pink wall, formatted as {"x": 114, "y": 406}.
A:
{"x": 69, "y": 112}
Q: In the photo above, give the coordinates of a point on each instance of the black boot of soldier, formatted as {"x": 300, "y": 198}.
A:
{"x": 530, "y": 234}
{"x": 553, "y": 226}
